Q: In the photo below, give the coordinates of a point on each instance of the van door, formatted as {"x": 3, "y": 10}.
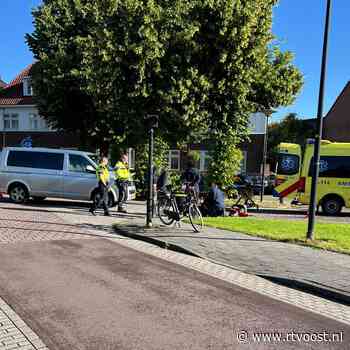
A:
{"x": 79, "y": 179}
{"x": 288, "y": 170}
{"x": 42, "y": 171}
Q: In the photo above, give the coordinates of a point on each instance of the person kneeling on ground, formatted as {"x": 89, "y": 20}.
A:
{"x": 214, "y": 204}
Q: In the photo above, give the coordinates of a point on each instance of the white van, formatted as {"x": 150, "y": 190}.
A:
{"x": 45, "y": 172}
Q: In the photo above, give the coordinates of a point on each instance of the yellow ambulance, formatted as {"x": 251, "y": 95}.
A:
{"x": 294, "y": 172}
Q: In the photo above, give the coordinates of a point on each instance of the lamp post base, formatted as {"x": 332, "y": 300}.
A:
{"x": 149, "y": 225}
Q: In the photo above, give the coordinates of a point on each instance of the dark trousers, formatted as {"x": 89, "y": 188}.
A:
{"x": 123, "y": 194}
{"x": 102, "y": 198}
{"x": 208, "y": 210}
{"x": 214, "y": 212}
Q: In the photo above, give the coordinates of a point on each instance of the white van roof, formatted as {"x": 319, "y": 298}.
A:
{"x": 41, "y": 149}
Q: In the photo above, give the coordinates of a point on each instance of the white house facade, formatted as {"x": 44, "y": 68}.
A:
{"x": 19, "y": 117}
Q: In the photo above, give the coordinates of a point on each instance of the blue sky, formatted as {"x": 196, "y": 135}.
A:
{"x": 298, "y": 25}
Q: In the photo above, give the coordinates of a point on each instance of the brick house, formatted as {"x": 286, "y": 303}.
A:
{"x": 19, "y": 117}
{"x": 336, "y": 124}
{"x": 252, "y": 150}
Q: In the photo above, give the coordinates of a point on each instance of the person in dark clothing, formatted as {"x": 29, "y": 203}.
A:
{"x": 191, "y": 176}
{"x": 163, "y": 181}
{"x": 215, "y": 202}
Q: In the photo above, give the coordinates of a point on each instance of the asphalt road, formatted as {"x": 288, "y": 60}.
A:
{"x": 94, "y": 294}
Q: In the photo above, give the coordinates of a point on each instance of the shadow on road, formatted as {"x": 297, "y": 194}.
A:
{"x": 81, "y": 208}
{"x": 37, "y": 222}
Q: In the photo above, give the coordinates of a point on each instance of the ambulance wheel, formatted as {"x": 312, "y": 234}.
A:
{"x": 332, "y": 205}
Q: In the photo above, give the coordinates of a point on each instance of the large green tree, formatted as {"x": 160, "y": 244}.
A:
{"x": 202, "y": 65}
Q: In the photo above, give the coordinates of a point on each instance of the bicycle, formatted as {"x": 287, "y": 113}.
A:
{"x": 245, "y": 196}
{"x": 169, "y": 211}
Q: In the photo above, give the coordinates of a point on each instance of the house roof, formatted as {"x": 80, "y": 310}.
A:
{"x": 2, "y": 84}
{"x": 346, "y": 87}
{"x": 12, "y": 94}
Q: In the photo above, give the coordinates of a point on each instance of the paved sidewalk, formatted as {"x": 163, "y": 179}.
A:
{"x": 323, "y": 273}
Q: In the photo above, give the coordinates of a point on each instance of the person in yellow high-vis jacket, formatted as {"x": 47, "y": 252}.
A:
{"x": 102, "y": 174}
{"x": 122, "y": 175}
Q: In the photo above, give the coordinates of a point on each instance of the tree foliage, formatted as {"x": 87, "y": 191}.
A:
{"x": 289, "y": 129}
{"x": 160, "y": 158}
{"x": 278, "y": 82}
{"x": 225, "y": 164}
{"x": 202, "y": 65}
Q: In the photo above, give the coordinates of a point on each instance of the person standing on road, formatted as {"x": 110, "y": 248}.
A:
{"x": 102, "y": 174}
{"x": 122, "y": 175}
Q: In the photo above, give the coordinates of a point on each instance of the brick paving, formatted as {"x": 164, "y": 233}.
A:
{"x": 18, "y": 225}
{"x": 14, "y": 333}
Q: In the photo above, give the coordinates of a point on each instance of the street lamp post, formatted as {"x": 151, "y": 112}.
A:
{"x": 262, "y": 180}
{"x": 318, "y": 136}
{"x": 152, "y": 121}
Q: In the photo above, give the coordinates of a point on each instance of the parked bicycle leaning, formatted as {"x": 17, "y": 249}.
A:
{"x": 170, "y": 210}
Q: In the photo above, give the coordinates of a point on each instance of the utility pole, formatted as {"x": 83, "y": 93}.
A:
{"x": 318, "y": 136}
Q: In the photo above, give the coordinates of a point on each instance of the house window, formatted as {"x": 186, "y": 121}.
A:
{"x": 27, "y": 87}
{"x": 131, "y": 156}
{"x": 11, "y": 122}
{"x": 204, "y": 161}
{"x": 174, "y": 160}
{"x": 243, "y": 167}
{"x": 34, "y": 122}
{"x": 43, "y": 123}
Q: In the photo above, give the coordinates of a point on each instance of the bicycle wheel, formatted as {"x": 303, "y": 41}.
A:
{"x": 166, "y": 211}
{"x": 196, "y": 218}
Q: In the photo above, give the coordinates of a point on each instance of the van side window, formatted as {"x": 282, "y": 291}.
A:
{"x": 332, "y": 166}
{"x": 36, "y": 160}
{"x": 78, "y": 163}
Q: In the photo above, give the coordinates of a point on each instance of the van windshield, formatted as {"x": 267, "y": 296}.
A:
{"x": 288, "y": 164}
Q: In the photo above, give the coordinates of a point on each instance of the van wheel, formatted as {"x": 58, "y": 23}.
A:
{"x": 332, "y": 206}
{"x": 18, "y": 193}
